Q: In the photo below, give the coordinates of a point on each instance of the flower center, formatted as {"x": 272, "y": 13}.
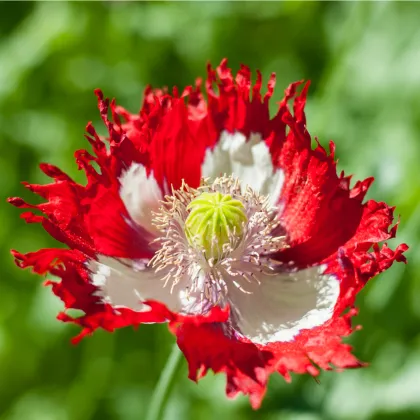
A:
{"x": 215, "y": 220}
{"x": 215, "y": 237}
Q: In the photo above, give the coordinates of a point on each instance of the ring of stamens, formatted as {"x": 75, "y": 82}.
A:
{"x": 243, "y": 256}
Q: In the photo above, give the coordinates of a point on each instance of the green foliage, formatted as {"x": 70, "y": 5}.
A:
{"x": 363, "y": 60}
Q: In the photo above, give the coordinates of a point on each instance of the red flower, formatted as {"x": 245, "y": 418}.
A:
{"x": 256, "y": 253}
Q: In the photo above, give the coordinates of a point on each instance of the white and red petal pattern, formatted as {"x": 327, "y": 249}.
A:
{"x": 292, "y": 322}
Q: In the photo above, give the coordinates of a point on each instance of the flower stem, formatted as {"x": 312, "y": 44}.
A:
{"x": 164, "y": 385}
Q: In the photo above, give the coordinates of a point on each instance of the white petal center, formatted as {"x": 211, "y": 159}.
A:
{"x": 282, "y": 305}
{"x": 141, "y": 195}
{"x": 247, "y": 159}
{"x": 128, "y": 283}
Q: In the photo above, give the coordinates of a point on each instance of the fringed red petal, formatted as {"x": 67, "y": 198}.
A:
{"x": 208, "y": 346}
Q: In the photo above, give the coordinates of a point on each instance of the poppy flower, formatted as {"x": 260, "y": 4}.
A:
{"x": 205, "y": 212}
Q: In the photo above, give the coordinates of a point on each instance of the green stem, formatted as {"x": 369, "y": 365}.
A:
{"x": 164, "y": 385}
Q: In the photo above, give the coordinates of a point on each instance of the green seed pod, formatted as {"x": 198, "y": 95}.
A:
{"x": 214, "y": 220}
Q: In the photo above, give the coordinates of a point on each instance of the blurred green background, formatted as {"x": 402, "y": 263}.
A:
{"x": 364, "y": 61}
